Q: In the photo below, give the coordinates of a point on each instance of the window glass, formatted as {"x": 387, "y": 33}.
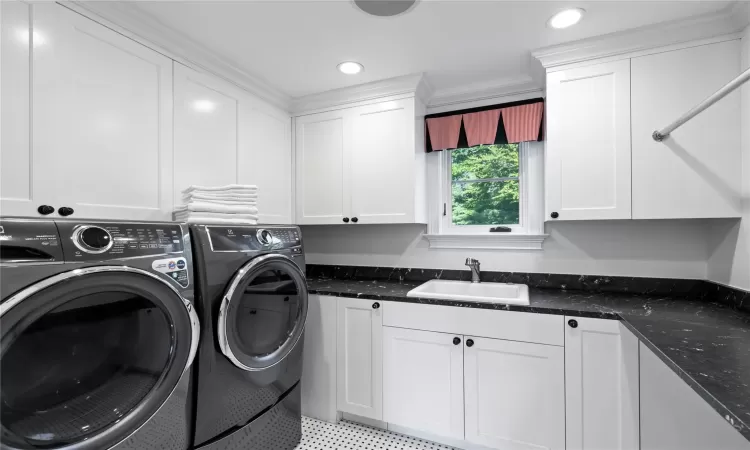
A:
{"x": 484, "y": 185}
{"x": 82, "y": 367}
{"x": 268, "y": 313}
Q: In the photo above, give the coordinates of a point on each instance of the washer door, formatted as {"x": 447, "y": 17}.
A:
{"x": 263, "y": 312}
{"x": 88, "y": 356}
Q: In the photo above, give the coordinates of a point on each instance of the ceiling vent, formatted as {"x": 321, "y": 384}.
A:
{"x": 385, "y": 8}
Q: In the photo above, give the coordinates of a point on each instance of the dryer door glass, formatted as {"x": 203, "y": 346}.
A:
{"x": 89, "y": 359}
{"x": 264, "y": 311}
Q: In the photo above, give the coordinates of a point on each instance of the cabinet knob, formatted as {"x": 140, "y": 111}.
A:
{"x": 45, "y": 209}
{"x": 573, "y": 323}
{"x": 469, "y": 342}
{"x": 355, "y": 220}
{"x": 456, "y": 341}
{"x": 554, "y": 215}
{"x": 345, "y": 219}
{"x": 65, "y": 211}
{"x": 375, "y": 305}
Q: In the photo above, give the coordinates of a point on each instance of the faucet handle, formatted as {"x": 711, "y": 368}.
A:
{"x": 471, "y": 262}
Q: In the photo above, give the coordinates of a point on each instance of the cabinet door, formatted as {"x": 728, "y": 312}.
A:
{"x": 206, "y": 130}
{"x": 18, "y": 197}
{"x": 588, "y": 142}
{"x": 601, "y": 385}
{"x": 360, "y": 358}
{"x": 102, "y": 115}
{"x": 322, "y": 161}
{"x": 423, "y": 381}
{"x": 319, "y": 359}
{"x": 515, "y": 394}
{"x": 382, "y": 163}
{"x": 675, "y": 417}
{"x": 267, "y": 161}
{"x": 696, "y": 171}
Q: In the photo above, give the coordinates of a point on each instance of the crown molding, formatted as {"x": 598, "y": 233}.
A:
{"x": 141, "y": 26}
{"x": 482, "y": 94}
{"x": 408, "y": 85}
{"x": 639, "y": 39}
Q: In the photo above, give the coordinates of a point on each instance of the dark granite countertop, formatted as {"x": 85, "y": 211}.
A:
{"x": 706, "y": 343}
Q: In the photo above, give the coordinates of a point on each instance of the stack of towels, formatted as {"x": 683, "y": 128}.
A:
{"x": 234, "y": 203}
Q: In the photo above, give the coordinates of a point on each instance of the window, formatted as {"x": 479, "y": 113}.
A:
{"x": 484, "y": 186}
{"x": 489, "y": 187}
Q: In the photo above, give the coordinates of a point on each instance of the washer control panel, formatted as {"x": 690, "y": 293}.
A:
{"x": 244, "y": 239}
{"x": 99, "y": 240}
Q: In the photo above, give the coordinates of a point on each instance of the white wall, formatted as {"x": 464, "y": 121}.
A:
{"x": 666, "y": 248}
{"x": 729, "y": 262}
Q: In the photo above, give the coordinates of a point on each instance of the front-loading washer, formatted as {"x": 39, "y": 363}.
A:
{"x": 97, "y": 335}
{"x": 251, "y": 296}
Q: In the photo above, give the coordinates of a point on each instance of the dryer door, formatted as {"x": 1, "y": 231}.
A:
{"x": 88, "y": 356}
{"x": 263, "y": 312}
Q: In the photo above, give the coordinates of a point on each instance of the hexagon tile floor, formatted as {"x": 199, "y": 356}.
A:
{"x": 319, "y": 435}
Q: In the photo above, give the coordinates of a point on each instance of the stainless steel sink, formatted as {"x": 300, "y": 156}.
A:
{"x": 509, "y": 294}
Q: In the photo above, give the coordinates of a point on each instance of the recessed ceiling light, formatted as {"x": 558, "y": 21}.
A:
{"x": 350, "y": 67}
{"x": 566, "y": 18}
{"x": 385, "y": 8}
{"x": 204, "y": 105}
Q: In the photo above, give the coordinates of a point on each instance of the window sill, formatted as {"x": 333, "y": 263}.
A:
{"x": 494, "y": 241}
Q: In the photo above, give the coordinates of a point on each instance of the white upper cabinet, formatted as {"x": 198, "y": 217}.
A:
{"x": 588, "y": 142}
{"x": 361, "y": 165}
{"x": 383, "y": 163}
{"x": 696, "y": 171}
{"x": 18, "y": 195}
{"x": 224, "y": 135}
{"x": 515, "y": 394}
{"x": 102, "y": 119}
{"x": 359, "y": 358}
{"x": 322, "y": 166}
{"x": 601, "y": 385}
{"x": 423, "y": 381}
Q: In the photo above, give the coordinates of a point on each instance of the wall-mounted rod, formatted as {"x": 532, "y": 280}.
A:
{"x": 660, "y": 135}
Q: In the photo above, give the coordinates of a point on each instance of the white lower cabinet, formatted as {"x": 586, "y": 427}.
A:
{"x": 675, "y": 417}
{"x": 514, "y": 393}
{"x": 360, "y": 358}
{"x": 423, "y": 381}
{"x": 601, "y": 385}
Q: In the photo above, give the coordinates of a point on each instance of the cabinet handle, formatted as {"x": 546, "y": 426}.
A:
{"x": 65, "y": 211}
{"x": 456, "y": 341}
{"x": 554, "y": 215}
{"x": 573, "y": 323}
{"x": 355, "y": 220}
{"x": 375, "y": 305}
{"x": 469, "y": 342}
{"x": 345, "y": 219}
{"x": 45, "y": 209}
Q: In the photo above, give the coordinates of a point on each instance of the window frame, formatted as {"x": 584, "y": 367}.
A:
{"x": 447, "y": 225}
{"x": 527, "y": 235}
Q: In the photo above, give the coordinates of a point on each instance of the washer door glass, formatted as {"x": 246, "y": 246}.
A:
{"x": 263, "y": 312}
{"x": 89, "y": 359}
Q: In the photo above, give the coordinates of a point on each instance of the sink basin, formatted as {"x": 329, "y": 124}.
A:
{"x": 509, "y": 294}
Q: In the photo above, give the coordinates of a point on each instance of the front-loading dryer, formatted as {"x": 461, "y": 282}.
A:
{"x": 97, "y": 335}
{"x": 251, "y": 296}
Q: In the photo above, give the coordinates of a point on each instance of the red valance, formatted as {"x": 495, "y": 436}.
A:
{"x": 503, "y": 124}
{"x": 444, "y": 131}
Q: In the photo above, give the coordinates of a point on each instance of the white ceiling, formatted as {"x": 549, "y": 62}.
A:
{"x": 296, "y": 45}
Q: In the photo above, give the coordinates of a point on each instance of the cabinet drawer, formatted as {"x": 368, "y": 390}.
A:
{"x": 508, "y": 325}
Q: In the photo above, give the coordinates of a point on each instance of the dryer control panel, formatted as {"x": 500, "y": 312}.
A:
{"x": 252, "y": 239}
{"x": 96, "y": 241}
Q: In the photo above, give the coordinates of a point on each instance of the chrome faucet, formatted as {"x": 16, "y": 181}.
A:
{"x": 474, "y": 266}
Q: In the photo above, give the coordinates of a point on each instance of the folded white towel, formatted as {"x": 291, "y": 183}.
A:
{"x": 217, "y": 208}
{"x": 248, "y": 198}
{"x": 234, "y": 188}
{"x": 215, "y": 220}
{"x": 197, "y": 217}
